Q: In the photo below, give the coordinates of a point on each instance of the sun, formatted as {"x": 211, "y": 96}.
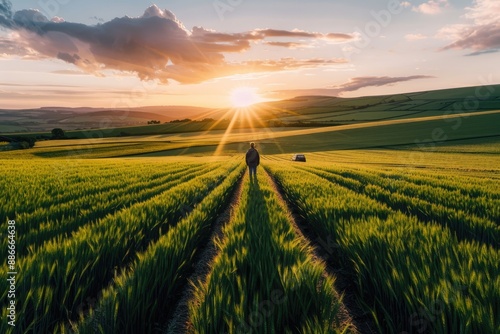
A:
{"x": 242, "y": 97}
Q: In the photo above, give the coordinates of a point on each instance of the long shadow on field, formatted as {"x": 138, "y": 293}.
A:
{"x": 265, "y": 293}
{"x": 260, "y": 228}
{"x": 259, "y": 233}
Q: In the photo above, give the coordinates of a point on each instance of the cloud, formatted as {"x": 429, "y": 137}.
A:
{"x": 478, "y": 38}
{"x": 73, "y": 59}
{"x": 202, "y": 72}
{"x": 415, "y": 37}
{"x": 264, "y": 33}
{"x": 290, "y": 45}
{"x": 478, "y": 53}
{"x": 339, "y": 37}
{"x": 8, "y": 47}
{"x": 97, "y": 18}
{"x": 154, "y": 46}
{"x": 483, "y": 31}
{"x": 5, "y": 13}
{"x": 362, "y": 82}
{"x": 484, "y": 12}
{"x": 352, "y": 85}
{"x": 431, "y": 7}
{"x": 284, "y": 33}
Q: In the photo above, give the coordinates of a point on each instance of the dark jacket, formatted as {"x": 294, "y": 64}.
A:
{"x": 252, "y": 158}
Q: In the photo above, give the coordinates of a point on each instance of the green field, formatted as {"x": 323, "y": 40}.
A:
{"x": 120, "y": 226}
{"x": 415, "y": 133}
{"x": 391, "y": 226}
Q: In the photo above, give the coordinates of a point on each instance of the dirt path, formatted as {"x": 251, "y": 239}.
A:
{"x": 179, "y": 323}
{"x": 350, "y": 312}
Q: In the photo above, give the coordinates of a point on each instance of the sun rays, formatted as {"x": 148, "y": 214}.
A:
{"x": 247, "y": 121}
{"x": 243, "y": 97}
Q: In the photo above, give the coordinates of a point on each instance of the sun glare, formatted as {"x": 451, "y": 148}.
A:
{"x": 242, "y": 97}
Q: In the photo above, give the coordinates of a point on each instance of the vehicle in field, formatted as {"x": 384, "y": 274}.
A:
{"x": 299, "y": 157}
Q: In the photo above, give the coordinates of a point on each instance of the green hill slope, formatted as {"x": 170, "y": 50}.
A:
{"x": 375, "y": 108}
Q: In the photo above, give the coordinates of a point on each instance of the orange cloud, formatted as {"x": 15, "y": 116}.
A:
{"x": 155, "y": 45}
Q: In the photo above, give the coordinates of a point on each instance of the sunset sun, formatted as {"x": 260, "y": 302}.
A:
{"x": 242, "y": 97}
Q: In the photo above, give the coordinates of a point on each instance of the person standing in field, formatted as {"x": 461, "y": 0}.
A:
{"x": 253, "y": 160}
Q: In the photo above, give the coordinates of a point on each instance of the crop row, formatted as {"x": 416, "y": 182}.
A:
{"x": 63, "y": 219}
{"x": 264, "y": 279}
{"x": 482, "y": 204}
{"x": 472, "y": 175}
{"x": 424, "y": 202}
{"x": 54, "y": 281}
{"x": 414, "y": 277}
{"x": 141, "y": 299}
{"x": 468, "y": 185}
{"x": 41, "y": 184}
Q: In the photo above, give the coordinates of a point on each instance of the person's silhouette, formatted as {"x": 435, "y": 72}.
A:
{"x": 253, "y": 160}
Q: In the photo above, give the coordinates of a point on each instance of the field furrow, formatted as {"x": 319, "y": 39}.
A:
{"x": 481, "y": 203}
{"x": 264, "y": 278}
{"x": 464, "y": 225}
{"x": 56, "y": 280}
{"x": 65, "y": 219}
{"x": 140, "y": 300}
{"x": 351, "y": 241}
{"x": 413, "y": 277}
{"x": 61, "y": 182}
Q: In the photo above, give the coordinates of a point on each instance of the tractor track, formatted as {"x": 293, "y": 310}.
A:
{"x": 350, "y": 310}
{"x": 179, "y": 321}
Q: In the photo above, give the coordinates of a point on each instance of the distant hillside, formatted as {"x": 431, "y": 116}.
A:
{"x": 170, "y": 111}
{"x": 299, "y": 111}
{"x": 336, "y": 110}
{"x": 326, "y": 110}
{"x": 47, "y": 118}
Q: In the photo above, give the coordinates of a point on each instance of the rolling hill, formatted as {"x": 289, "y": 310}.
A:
{"x": 46, "y": 118}
{"x": 376, "y": 108}
{"x": 421, "y": 120}
{"x": 303, "y": 110}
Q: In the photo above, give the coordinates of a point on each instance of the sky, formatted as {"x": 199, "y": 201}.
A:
{"x": 222, "y": 53}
